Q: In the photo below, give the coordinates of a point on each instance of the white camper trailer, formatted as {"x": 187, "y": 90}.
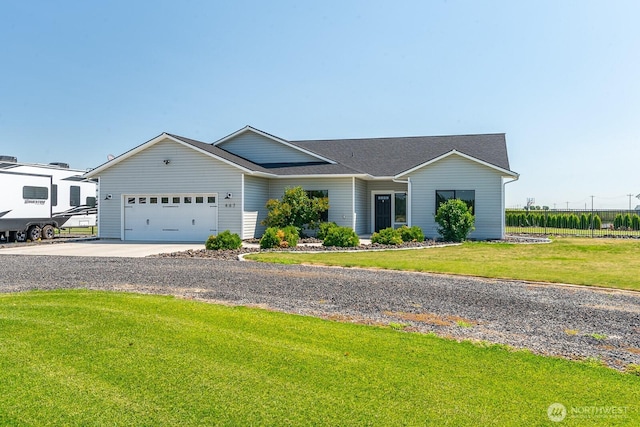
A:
{"x": 35, "y": 199}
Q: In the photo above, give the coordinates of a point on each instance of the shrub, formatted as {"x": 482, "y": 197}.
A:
{"x": 617, "y": 222}
{"x": 296, "y": 208}
{"x": 274, "y": 237}
{"x": 387, "y": 236}
{"x": 224, "y": 240}
{"x": 343, "y": 237}
{"x": 454, "y": 220}
{"x": 291, "y": 235}
{"x": 324, "y": 228}
{"x": 411, "y": 234}
{"x": 270, "y": 239}
{"x": 597, "y": 222}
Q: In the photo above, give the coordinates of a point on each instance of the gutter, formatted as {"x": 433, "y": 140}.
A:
{"x": 504, "y": 184}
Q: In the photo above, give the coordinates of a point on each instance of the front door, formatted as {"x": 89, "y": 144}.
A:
{"x": 382, "y": 211}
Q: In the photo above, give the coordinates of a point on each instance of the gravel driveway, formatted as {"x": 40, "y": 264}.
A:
{"x": 573, "y": 322}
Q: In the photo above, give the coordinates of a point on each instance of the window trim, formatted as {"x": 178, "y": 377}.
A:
{"x": 472, "y": 206}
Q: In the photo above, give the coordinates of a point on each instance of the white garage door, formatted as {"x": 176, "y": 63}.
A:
{"x": 170, "y": 217}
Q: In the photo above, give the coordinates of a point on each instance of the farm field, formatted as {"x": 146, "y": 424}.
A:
{"x": 96, "y": 358}
{"x": 612, "y": 263}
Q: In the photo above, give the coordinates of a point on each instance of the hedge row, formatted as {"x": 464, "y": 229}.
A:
{"x": 569, "y": 220}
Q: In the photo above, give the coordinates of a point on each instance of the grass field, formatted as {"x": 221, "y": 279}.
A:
{"x": 98, "y": 358}
{"x": 612, "y": 263}
{"x": 77, "y": 230}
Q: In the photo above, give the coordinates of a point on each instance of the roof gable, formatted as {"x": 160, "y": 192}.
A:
{"x": 265, "y": 149}
{"x": 202, "y": 147}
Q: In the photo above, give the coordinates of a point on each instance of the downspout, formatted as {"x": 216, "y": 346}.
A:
{"x": 504, "y": 184}
{"x": 242, "y": 207}
{"x": 353, "y": 203}
{"x": 409, "y": 207}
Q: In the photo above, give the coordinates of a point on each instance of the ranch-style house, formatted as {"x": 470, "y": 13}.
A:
{"x": 173, "y": 188}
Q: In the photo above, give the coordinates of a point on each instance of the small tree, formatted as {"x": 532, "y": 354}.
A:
{"x": 597, "y": 222}
{"x": 455, "y": 220}
{"x": 295, "y": 209}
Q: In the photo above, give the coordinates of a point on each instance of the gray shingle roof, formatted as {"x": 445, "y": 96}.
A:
{"x": 392, "y": 156}
{"x": 297, "y": 169}
{"x": 378, "y": 157}
{"x": 224, "y": 154}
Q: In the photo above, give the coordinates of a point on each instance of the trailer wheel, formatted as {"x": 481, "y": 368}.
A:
{"x": 19, "y": 236}
{"x": 34, "y": 233}
{"x": 48, "y": 232}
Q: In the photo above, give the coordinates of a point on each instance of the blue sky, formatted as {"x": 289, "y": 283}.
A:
{"x": 81, "y": 80}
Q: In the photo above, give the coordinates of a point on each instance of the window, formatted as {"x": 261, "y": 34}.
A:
{"x": 176, "y": 199}
{"x": 131, "y": 200}
{"x": 37, "y": 193}
{"x": 467, "y": 196}
{"x": 187, "y": 199}
{"x": 320, "y": 194}
{"x": 74, "y": 195}
{"x": 142, "y": 200}
{"x": 211, "y": 199}
{"x": 54, "y": 195}
{"x": 401, "y": 208}
{"x": 164, "y": 200}
{"x": 153, "y": 200}
{"x": 199, "y": 199}
{"x": 91, "y": 201}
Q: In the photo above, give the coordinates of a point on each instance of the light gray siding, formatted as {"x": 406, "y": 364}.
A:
{"x": 261, "y": 150}
{"x": 386, "y": 186}
{"x": 256, "y": 192}
{"x": 457, "y": 173}
{"x": 362, "y": 207}
{"x": 340, "y": 200}
{"x": 188, "y": 172}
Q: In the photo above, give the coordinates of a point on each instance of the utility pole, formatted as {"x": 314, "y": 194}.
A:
{"x": 567, "y": 205}
{"x": 629, "y": 200}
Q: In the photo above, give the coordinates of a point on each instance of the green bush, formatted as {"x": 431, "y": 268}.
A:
{"x": 270, "y": 239}
{"x": 387, "y": 236}
{"x": 224, "y": 240}
{"x": 295, "y": 208}
{"x": 343, "y": 237}
{"x": 324, "y": 228}
{"x": 291, "y": 235}
{"x": 597, "y": 222}
{"x": 274, "y": 237}
{"x": 411, "y": 234}
{"x": 617, "y": 222}
{"x": 454, "y": 220}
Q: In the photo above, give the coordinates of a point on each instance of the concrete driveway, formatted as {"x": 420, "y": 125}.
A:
{"x": 99, "y": 248}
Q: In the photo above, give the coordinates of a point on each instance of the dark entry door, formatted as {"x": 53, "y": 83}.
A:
{"x": 383, "y": 211}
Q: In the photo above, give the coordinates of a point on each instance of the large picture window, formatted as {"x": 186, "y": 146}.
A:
{"x": 467, "y": 196}
{"x": 320, "y": 194}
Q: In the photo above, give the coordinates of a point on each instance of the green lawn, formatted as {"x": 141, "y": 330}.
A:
{"x": 99, "y": 358}
{"x": 612, "y": 263}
